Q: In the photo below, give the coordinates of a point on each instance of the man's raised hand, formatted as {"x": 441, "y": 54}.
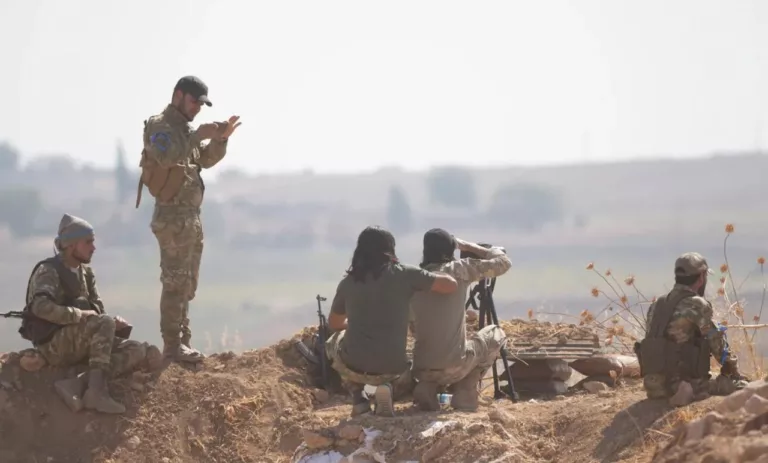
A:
{"x": 227, "y": 128}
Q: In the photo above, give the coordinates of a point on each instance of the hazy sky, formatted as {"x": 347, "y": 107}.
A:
{"x": 341, "y": 86}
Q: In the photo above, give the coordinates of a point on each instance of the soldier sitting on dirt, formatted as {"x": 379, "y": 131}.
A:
{"x": 680, "y": 336}
{"x": 369, "y": 315}
{"x": 441, "y": 355}
{"x": 65, "y": 320}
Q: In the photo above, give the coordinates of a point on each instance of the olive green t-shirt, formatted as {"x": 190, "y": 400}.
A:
{"x": 377, "y": 314}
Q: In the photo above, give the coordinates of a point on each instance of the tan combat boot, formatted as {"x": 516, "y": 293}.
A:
{"x": 178, "y": 352}
{"x": 465, "y": 392}
{"x": 97, "y": 396}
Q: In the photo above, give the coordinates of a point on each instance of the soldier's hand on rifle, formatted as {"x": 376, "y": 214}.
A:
{"x": 206, "y": 131}
{"x": 88, "y": 313}
{"x": 227, "y": 128}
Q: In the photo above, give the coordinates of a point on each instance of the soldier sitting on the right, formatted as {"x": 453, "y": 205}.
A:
{"x": 680, "y": 337}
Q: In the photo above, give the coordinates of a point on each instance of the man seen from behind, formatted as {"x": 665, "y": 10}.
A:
{"x": 369, "y": 315}
{"x": 442, "y": 356}
{"x": 681, "y": 335}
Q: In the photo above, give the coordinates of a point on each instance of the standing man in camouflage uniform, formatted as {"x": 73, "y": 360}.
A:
{"x": 173, "y": 156}
{"x": 681, "y": 334}
{"x": 65, "y": 320}
{"x": 442, "y": 356}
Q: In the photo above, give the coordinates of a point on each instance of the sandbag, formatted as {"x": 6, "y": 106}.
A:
{"x": 599, "y": 366}
{"x": 630, "y": 364}
{"x": 544, "y": 369}
{"x": 541, "y": 386}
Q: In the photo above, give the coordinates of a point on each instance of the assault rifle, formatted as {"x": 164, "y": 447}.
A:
{"x": 316, "y": 356}
{"x": 481, "y": 299}
{"x": 322, "y": 337}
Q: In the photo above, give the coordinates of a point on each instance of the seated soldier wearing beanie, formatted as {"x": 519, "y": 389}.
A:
{"x": 369, "y": 315}
{"x": 442, "y": 356}
{"x": 65, "y": 320}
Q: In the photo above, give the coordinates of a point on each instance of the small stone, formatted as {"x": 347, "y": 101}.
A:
{"x": 321, "y": 395}
{"x": 316, "y": 440}
{"x": 219, "y": 367}
{"x": 132, "y": 442}
{"x": 606, "y": 394}
{"x": 698, "y": 429}
{"x": 32, "y": 361}
{"x": 165, "y": 460}
{"x": 475, "y": 428}
{"x": 350, "y": 431}
{"x": 595, "y": 386}
{"x": 499, "y": 416}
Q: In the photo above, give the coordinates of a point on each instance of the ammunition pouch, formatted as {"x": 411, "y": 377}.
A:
{"x": 668, "y": 358}
{"x": 163, "y": 183}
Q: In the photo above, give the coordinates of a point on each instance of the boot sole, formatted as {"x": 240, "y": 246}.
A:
{"x": 383, "y": 398}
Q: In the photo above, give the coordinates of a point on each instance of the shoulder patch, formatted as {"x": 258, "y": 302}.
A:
{"x": 160, "y": 140}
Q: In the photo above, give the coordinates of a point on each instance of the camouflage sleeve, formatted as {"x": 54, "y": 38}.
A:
{"x": 495, "y": 264}
{"x": 212, "y": 153}
{"x": 93, "y": 292}
{"x": 698, "y": 311}
{"x": 166, "y": 145}
{"x": 43, "y": 289}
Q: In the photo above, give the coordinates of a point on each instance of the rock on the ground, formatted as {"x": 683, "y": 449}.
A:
{"x": 31, "y": 360}
{"x": 350, "y": 432}
{"x": 594, "y": 387}
{"x": 316, "y": 440}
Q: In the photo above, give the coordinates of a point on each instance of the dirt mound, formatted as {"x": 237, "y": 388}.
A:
{"x": 260, "y": 406}
{"x": 735, "y": 431}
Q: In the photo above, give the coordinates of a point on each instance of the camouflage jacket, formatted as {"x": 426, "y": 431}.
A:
{"x": 47, "y": 298}
{"x": 692, "y": 315}
{"x": 170, "y": 140}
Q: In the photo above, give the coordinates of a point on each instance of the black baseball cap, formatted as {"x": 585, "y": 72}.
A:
{"x": 195, "y": 87}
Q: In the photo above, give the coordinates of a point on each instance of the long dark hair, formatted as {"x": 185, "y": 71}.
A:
{"x": 374, "y": 252}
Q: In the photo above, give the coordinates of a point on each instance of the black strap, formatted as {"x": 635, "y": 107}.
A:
{"x": 660, "y": 318}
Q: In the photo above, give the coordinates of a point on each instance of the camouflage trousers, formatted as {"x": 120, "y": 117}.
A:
{"x": 179, "y": 234}
{"x": 93, "y": 339}
{"x": 482, "y": 350}
{"x": 352, "y": 380}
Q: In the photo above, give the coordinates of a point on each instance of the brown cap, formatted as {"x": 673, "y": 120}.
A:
{"x": 691, "y": 264}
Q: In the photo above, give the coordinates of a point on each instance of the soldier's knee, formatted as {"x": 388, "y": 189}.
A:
{"x": 102, "y": 321}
